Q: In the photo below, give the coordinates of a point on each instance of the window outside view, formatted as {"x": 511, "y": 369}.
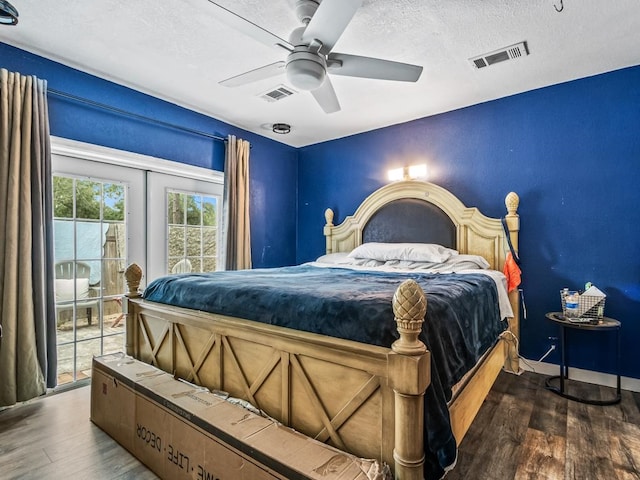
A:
{"x": 90, "y": 256}
{"x": 192, "y": 244}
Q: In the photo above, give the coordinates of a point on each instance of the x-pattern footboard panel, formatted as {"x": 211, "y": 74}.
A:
{"x": 304, "y": 386}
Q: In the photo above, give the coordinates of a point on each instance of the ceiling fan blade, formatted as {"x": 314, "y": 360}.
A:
{"x": 255, "y": 75}
{"x": 329, "y": 22}
{"x": 366, "y": 67}
{"x": 249, "y": 28}
{"x": 326, "y": 97}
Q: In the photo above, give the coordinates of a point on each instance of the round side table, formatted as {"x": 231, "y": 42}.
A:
{"x": 606, "y": 324}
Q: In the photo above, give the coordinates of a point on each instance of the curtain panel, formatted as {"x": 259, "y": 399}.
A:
{"x": 27, "y": 308}
{"x": 236, "y": 201}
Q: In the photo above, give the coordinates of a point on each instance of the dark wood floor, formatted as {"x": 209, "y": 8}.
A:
{"x": 522, "y": 432}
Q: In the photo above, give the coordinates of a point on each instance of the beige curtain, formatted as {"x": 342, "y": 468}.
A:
{"x": 236, "y": 200}
{"x": 27, "y": 345}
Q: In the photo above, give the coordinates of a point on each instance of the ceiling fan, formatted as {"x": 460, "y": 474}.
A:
{"x": 309, "y": 48}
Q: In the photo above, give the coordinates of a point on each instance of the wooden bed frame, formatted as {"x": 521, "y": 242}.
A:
{"x": 363, "y": 399}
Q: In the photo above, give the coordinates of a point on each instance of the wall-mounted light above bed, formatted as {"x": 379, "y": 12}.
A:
{"x": 411, "y": 172}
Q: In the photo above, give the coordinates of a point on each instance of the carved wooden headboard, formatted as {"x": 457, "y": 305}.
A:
{"x": 415, "y": 211}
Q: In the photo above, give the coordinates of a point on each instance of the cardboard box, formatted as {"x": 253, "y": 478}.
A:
{"x": 181, "y": 431}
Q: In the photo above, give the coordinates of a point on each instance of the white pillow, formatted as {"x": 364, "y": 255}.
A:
{"x": 64, "y": 289}
{"x": 416, "y": 252}
{"x": 334, "y": 258}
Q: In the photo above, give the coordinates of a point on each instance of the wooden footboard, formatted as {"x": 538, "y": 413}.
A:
{"x": 363, "y": 399}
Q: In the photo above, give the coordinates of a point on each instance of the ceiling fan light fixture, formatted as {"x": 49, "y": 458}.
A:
{"x": 306, "y": 70}
{"x": 310, "y": 49}
{"x": 8, "y": 13}
{"x": 281, "y": 128}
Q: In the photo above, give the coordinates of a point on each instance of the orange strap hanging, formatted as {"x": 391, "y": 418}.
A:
{"x": 512, "y": 272}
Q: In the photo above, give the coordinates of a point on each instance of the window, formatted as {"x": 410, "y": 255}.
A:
{"x": 185, "y": 235}
{"x": 192, "y": 230}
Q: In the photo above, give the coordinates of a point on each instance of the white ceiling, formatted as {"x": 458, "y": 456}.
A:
{"x": 177, "y": 50}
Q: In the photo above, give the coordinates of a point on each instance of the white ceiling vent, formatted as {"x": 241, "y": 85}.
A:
{"x": 277, "y": 93}
{"x": 507, "y": 53}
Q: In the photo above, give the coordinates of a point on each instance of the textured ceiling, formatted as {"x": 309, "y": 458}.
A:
{"x": 178, "y": 51}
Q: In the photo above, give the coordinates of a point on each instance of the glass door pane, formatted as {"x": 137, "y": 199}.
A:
{"x": 184, "y": 229}
{"x": 192, "y": 230}
{"x": 89, "y": 255}
{"x": 92, "y": 229}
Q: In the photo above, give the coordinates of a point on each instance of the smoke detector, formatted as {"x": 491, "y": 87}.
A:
{"x": 511, "y": 52}
{"x": 281, "y": 128}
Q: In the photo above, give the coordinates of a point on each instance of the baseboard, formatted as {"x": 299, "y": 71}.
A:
{"x": 588, "y": 376}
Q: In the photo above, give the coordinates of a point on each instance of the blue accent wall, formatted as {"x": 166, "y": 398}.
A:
{"x": 273, "y": 166}
{"x": 571, "y": 152}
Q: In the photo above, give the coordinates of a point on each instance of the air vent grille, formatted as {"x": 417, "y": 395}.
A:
{"x": 515, "y": 52}
{"x": 507, "y": 53}
{"x": 277, "y": 93}
{"x": 480, "y": 62}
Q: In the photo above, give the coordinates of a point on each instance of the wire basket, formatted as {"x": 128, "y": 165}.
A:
{"x": 590, "y": 307}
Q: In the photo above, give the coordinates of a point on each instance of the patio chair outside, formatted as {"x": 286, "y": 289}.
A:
{"x": 66, "y": 285}
{"x": 183, "y": 266}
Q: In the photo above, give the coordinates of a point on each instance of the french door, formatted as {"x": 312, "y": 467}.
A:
{"x": 113, "y": 208}
{"x": 97, "y": 232}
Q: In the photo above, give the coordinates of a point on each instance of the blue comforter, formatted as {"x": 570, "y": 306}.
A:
{"x": 462, "y": 322}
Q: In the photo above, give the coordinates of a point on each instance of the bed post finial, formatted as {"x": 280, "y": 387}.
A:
{"x": 409, "y": 308}
{"x": 133, "y": 275}
{"x": 328, "y": 230}
{"x": 512, "y": 201}
{"x": 328, "y": 216}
